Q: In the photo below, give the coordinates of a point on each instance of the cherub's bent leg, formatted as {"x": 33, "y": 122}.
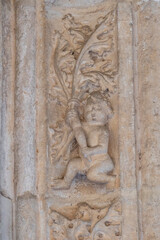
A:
{"x": 98, "y": 173}
{"x": 75, "y": 166}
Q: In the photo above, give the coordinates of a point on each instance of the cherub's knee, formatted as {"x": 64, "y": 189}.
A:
{"x": 97, "y": 177}
{"x": 92, "y": 174}
{"x": 75, "y": 164}
{"x": 99, "y": 173}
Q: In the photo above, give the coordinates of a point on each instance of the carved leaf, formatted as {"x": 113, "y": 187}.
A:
{"x": 78, "y": 33}
{"x": 94, "y": 70}
{"x": 98, "y": 58}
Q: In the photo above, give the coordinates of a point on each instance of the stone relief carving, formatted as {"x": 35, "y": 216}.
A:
{"x": 88, "y": 223}
{"x": 83, "y": 68}
{"x": 92, "y": 137}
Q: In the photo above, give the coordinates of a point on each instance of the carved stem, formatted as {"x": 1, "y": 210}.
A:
{"x": 84, "y": 49}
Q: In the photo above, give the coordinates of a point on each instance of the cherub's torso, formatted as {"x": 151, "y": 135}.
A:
{"x": 93, "y": 133}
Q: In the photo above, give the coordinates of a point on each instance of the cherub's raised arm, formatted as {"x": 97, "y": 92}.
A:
{"x": 75, "y": 124}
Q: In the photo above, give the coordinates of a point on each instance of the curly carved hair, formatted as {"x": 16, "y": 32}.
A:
{"x": 99, "y": 97}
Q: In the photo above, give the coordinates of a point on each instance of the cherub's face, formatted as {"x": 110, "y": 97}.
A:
{"x": 95, "y": 113}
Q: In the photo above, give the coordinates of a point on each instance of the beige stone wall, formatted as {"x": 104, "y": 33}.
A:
{"x": 147, "y": 92}
{"x": 26, "y": 38}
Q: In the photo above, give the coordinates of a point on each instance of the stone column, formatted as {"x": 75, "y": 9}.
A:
{"x": 25, "y": 123}
{"x": 41, "y": 119}
{"x": 7, "y": 73}
{"x": 127, "y": 124}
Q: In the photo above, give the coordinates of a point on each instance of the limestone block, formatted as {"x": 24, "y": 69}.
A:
{"x": 26, "y": 218}
{"x": 6, "y": 218}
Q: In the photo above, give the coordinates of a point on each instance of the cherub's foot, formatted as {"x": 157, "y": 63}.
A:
{"x": 60, "y": 184}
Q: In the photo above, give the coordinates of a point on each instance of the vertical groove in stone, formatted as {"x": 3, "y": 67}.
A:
{"x": 7, "y": 70}
{"x": 126, "y": 124}
{"x": 137, "y": 120}
{"x": 13, "y": 40}
{"x": 40, "y": 120}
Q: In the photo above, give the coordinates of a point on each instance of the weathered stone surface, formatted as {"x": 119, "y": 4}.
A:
{"x": 26, "y": 218}
{"x": 7, "y": 98}
{"x": 6, "y": 218}
{"x": 41, "y": 120}
{"x": 7, "y": 86}
{"x": 148, "y": 60}
{"x": 53, "y": 51}
{"x": 25, "y": 97}
{"x": 126, "y": 123}
{"x": 25, "y": 123}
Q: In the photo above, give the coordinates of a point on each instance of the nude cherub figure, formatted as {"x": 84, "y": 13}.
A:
{"x": 92, "y": 136}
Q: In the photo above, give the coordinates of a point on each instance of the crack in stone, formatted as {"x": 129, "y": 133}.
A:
{"x": 5, "y": 195}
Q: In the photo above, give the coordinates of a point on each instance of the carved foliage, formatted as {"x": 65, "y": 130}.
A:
{"x": 89, "y": 224}
{"x": 84, "y": 62}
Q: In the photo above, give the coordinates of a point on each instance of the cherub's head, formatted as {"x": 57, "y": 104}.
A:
{"x": 97, "y": 109}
